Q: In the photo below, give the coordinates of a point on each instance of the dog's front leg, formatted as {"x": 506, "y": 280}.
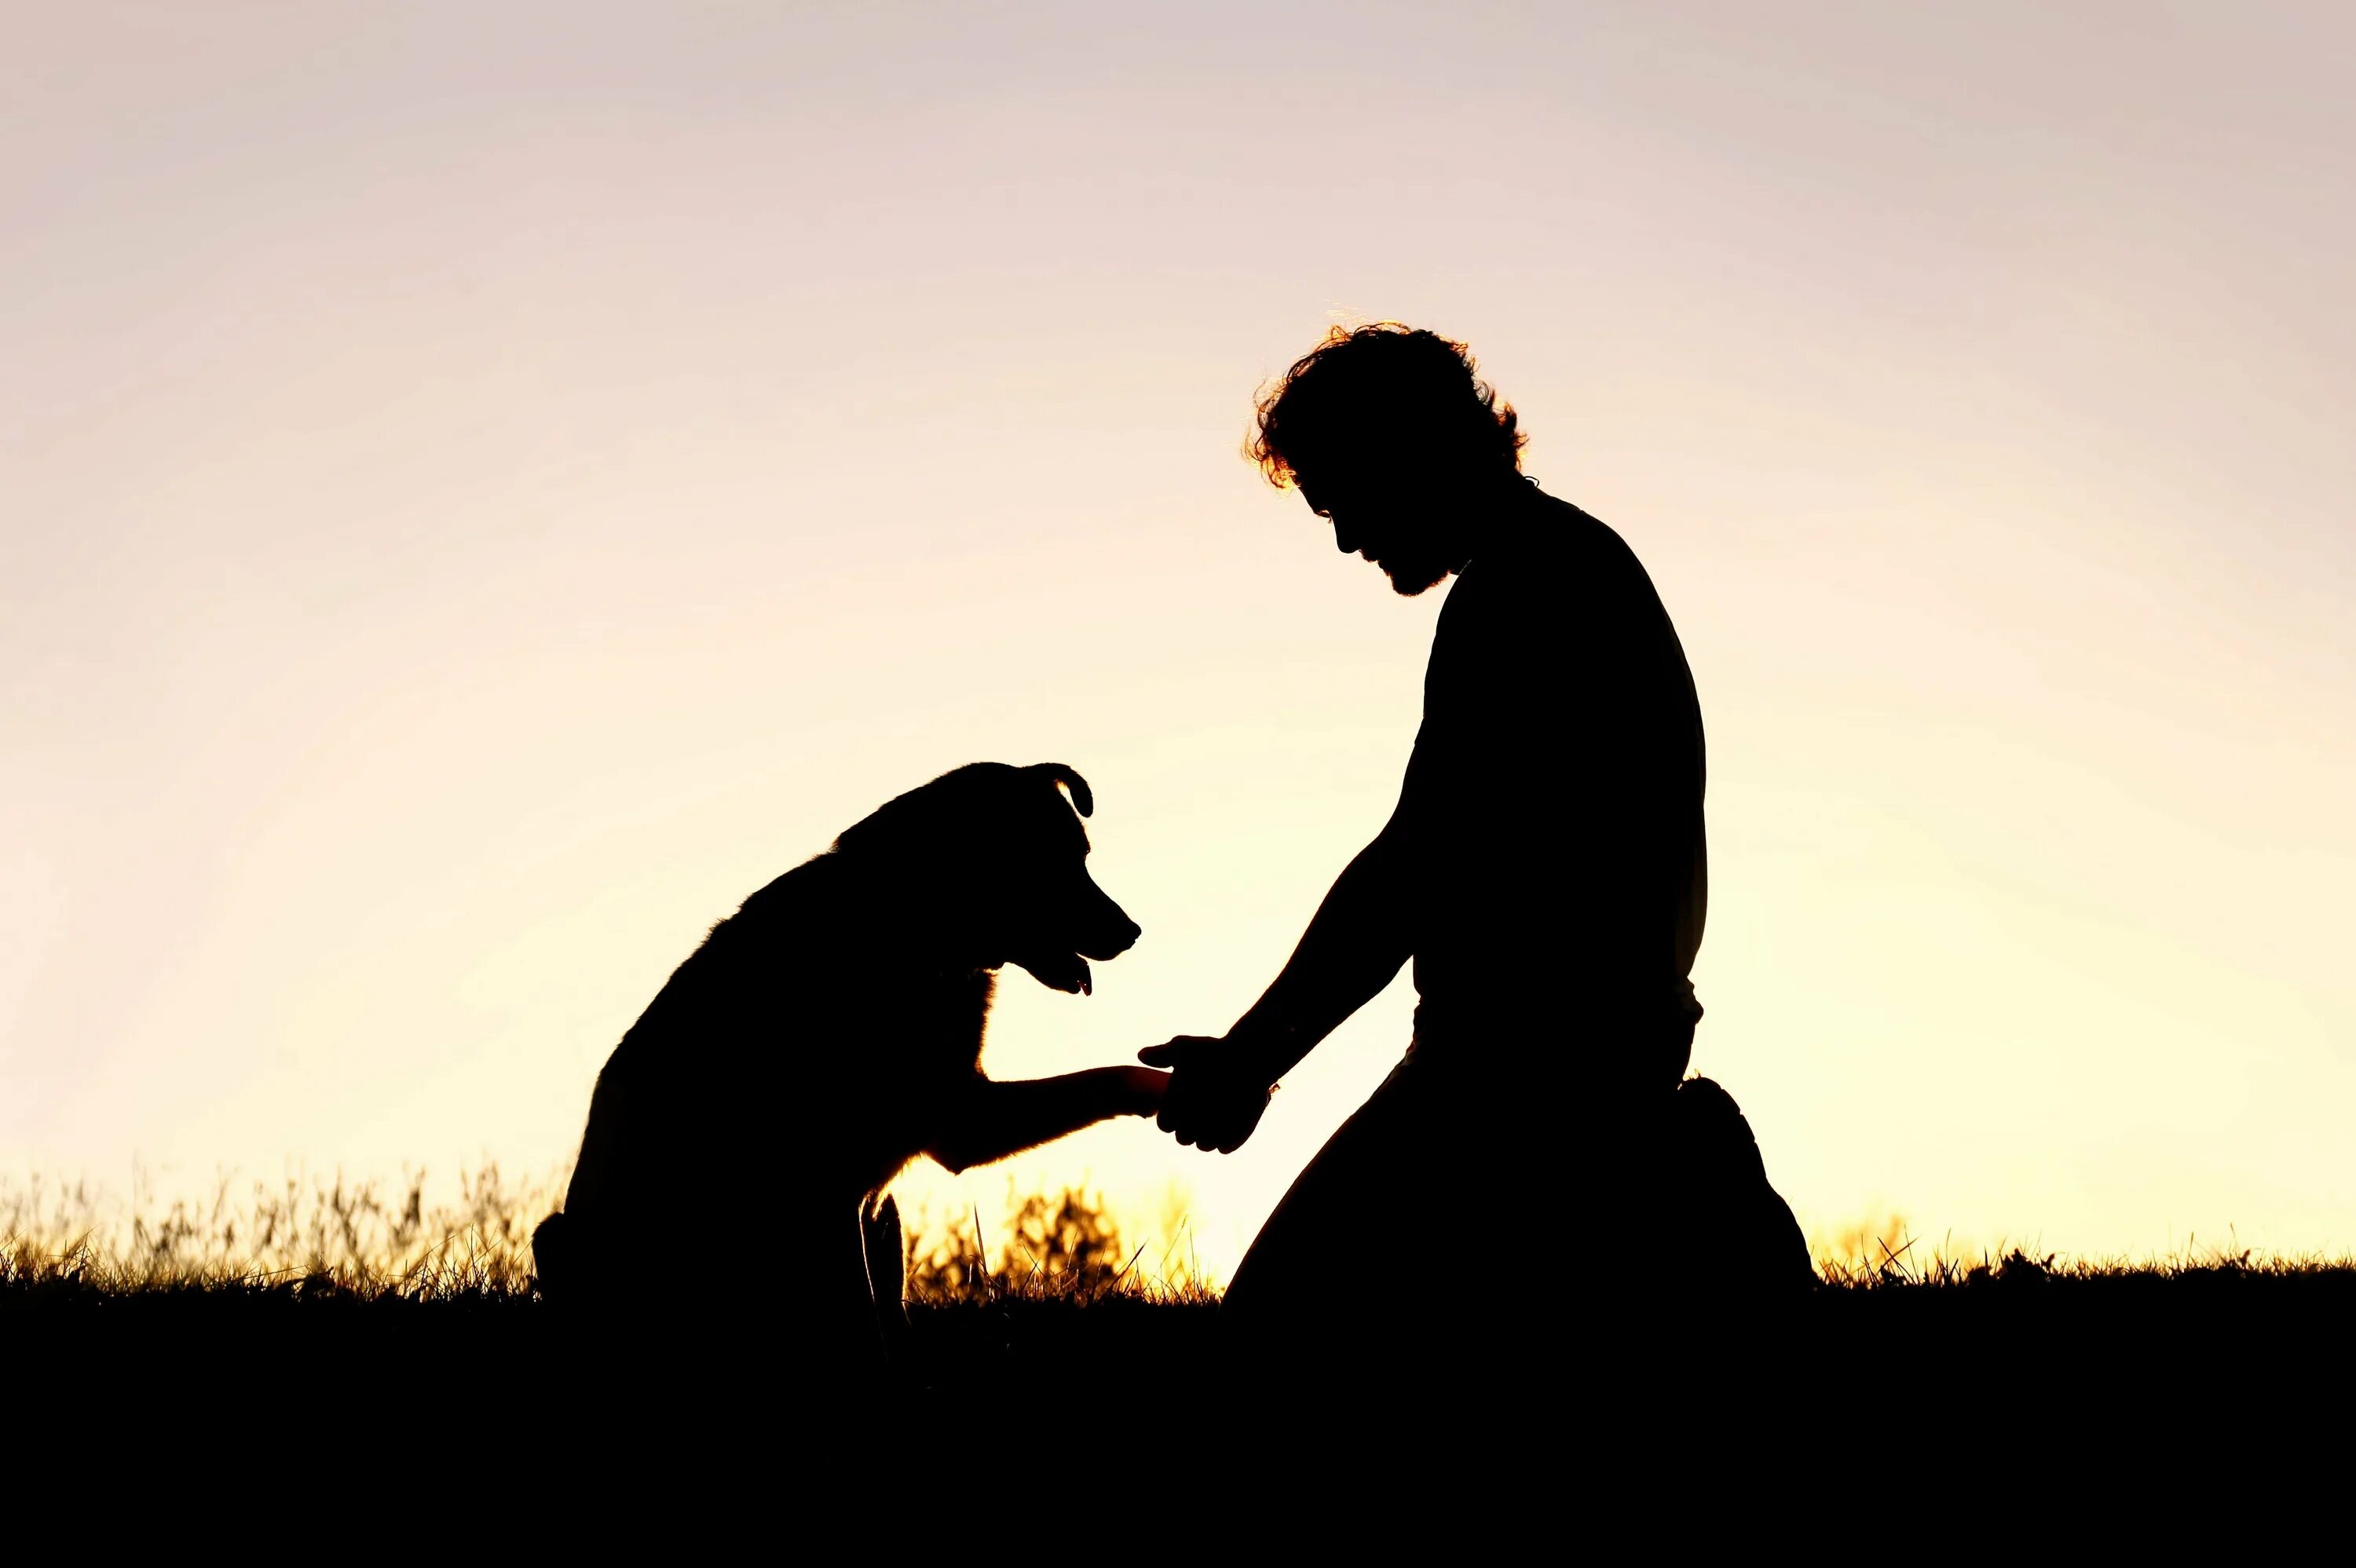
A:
{"x": 987, "y": 1120}
{"x": 887, "y": 1272}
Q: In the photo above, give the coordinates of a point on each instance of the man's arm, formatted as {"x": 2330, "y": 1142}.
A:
{"x": 1361, "y": 935}
{"x": 1355, "y": 946}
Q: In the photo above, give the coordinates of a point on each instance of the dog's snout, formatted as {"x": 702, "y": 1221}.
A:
{"x": 1115, "y": 935}
{"x": 1110, "y": 932}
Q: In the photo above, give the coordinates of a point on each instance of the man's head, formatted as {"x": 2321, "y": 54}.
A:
{"x": 1387, "y": 431}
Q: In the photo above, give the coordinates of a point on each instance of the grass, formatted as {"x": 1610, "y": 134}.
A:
{"x": 371, "y": 1288}
{"x": 296, "y": 1238}
{"x": 363, "y": 1241}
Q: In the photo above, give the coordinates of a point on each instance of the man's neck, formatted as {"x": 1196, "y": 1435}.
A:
{"x": 1513, "y": 504}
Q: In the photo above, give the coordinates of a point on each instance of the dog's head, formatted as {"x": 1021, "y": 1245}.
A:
{"x": 1000, "y": 860}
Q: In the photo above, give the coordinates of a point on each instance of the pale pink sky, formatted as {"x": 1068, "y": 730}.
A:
{"x": 483, "y": 488}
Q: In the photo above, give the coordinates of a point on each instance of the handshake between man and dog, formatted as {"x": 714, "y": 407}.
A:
{"x": 831, "y": 1031}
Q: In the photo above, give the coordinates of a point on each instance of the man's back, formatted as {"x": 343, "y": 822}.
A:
{"x": 1558, "y": 783}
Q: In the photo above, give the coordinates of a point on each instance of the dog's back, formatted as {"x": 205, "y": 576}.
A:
{"x": 784, "y": 1065}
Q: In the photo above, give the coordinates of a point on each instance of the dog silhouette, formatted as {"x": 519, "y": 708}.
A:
{"x": 824, "y": 1036}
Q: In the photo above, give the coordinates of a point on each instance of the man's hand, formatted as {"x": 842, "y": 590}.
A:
{"x": 1217, "y": 1091}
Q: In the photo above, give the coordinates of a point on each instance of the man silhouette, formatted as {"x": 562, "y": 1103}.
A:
{"x": 1544, "y": 869}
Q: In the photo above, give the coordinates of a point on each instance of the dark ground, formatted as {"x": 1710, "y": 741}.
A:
{"x": 2278, "y": 1337}
{"x": 1869, "y": 1411}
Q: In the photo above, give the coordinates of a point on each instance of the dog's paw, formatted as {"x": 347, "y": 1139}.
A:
{"x": 1143, "y": 1089}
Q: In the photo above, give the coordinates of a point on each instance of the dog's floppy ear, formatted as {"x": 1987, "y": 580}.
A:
{"x": 1083, "y": 801}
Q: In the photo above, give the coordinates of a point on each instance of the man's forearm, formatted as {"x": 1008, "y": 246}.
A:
{"x": 1361, "y": 936}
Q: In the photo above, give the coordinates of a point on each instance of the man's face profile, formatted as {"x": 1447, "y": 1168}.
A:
{"x": 1394, "y": 519}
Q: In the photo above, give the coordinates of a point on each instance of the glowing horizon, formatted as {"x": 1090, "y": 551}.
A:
{"x": 474, "y": 514}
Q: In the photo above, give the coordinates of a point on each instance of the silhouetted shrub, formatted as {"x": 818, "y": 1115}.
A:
{"x": 1065, "y": 1246}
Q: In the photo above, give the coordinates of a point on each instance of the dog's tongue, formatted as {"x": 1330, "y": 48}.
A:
{"x": 1060, "y": 971}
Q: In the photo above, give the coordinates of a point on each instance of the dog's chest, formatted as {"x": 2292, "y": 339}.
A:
{"x": 941, "y": 1021}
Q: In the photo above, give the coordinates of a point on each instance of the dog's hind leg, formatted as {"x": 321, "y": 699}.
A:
{"x": 549, "y": 1256}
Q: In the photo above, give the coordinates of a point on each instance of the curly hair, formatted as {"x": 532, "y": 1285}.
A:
{"x": 1388, "y": 380}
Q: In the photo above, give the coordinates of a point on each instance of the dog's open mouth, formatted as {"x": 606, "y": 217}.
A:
{"x": 1058, "y": 970}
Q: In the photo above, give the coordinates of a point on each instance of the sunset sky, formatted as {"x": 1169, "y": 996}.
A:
{"x": 483, "y": 488}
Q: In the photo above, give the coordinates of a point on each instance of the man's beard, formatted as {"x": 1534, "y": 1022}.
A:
{"x": 1411, "y": 575}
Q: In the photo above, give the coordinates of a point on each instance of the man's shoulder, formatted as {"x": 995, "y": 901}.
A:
{"x": 1560, "y": 555}
{"x": 1573, "y": 537}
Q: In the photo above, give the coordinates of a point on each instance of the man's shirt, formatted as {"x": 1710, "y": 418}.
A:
{"x": 1555, "y": 799}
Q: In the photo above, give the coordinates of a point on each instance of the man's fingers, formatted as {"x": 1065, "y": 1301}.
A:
{"x": 1175, "y": 1050}
{"x": 1198, "y": 1115}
